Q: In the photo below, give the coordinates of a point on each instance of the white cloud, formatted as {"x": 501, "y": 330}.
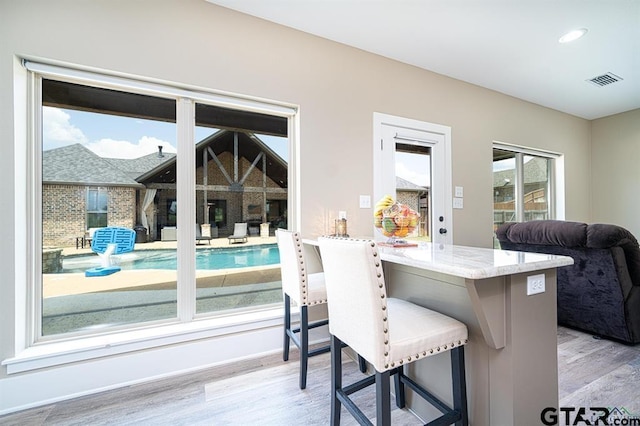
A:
{"x": 410, "y": 174}
{"x": 57, "y": 131}
{"x": 111, "y": 148}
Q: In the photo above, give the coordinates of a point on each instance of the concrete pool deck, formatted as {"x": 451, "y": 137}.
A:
{"x": 156, "y": 245}
{"x": 55, "y": 285}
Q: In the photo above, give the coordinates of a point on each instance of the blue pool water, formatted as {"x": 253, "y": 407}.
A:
{"x": 209, "y": 258}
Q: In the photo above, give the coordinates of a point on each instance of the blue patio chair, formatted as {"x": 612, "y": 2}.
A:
{"x": 109, "y": 241}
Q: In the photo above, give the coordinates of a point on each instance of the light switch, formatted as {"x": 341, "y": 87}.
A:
{"x": 365, "y": 201}
{"x": 458, "y": 203}
{"x": 459, "y": 192}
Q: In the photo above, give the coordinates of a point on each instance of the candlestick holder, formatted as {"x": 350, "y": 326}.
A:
{"x": 341, "y": 228}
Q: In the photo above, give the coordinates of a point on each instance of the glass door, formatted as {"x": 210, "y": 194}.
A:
{"x": 412, "y": 164}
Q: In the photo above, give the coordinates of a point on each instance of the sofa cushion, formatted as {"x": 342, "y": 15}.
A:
{"x": 546, "y": 232}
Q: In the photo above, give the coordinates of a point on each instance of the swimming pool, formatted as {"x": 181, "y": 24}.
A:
{"x": 209, "y": 258}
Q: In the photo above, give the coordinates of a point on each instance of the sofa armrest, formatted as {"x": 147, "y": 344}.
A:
{"x": 624, "y": 277}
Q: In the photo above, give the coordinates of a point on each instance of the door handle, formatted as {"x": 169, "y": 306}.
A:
{"x": 443, "y": 230}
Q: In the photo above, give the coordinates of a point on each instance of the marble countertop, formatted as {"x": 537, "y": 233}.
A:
{"x": 471, "y": 262}
{"x": 468, "y": 262}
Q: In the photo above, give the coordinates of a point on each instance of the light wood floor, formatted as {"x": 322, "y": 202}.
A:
{"x": 591, "y": 373}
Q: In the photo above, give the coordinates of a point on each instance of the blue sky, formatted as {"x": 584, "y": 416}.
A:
{"x": 416, "y": 168}
{"x": 115, "y": 136}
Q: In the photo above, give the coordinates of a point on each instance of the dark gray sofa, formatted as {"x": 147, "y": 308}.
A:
{"x": 600, "y": 292}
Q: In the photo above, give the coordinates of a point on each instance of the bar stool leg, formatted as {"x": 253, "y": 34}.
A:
{"x": 459, "y": 385}
{"x": 304, "y": 345}
{"x": 383, "y": 399}
{"x": 287, "y": 327}
{"x": 336, "y": 379}
{"x": 362, "y": 364}
{"x": 399, "y": 387}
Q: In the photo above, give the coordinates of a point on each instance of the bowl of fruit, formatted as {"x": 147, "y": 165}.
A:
{"x": 395, "y": 220}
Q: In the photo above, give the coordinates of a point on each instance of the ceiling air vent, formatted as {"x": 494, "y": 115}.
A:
{"x": 605, "y": 79}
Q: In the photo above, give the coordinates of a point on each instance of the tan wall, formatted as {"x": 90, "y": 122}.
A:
{"x": 615, "y": 166}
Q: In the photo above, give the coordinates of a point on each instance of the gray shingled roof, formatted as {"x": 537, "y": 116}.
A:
{"x": 535, "y": 171}
{"x": 136, "y": 167}
{"x": 77, "y": 165}
{"x": 405, "y": 185}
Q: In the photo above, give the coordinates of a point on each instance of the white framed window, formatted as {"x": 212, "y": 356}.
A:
{"x": 97, "y": 202}
{"x": 527, "y": 184}
{"x": 79, "y": 180}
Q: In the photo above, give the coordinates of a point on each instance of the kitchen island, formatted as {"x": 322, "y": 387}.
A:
{"x": 507, "y": 300}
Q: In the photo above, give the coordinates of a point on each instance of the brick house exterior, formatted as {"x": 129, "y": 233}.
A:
{"x": 64, "y": 212}
{"x": 255, "y": 192}
{"x": 416, "y": 197}
{"x": 234, "y": 168}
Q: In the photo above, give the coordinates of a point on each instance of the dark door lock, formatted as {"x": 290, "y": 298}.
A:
{"x": 443, "y": 230}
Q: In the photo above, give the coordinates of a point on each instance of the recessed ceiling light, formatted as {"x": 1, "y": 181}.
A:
{"x": 573, "y": 35}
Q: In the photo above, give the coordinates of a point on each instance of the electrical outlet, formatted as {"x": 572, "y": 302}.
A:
{"x": 535, "y": 284}
{"x": 365, "y": 201}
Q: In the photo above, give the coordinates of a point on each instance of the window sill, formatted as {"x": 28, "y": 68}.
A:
{"x": 58, "y": 353}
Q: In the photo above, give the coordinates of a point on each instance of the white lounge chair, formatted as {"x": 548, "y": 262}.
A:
{"x": 203, "y": 233}
{"x": 239, "y": 233}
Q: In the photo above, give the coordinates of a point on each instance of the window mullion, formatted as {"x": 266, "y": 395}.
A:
{"x": 185, "y": 187}
{"x": 34, "y": 209}
{"x": 519, "y": 187}
{"x": 551, "y": 189}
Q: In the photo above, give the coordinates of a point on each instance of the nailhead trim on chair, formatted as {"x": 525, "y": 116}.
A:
{"x": 380, "y": 275}
{"x": 393, "y": 363}
{"x": 303, "y": 276}
{"x": 424, "y": 353}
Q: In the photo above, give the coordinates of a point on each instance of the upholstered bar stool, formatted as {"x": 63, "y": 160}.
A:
{"x": 305, "y": 290}
{"x": 389, "y": 333}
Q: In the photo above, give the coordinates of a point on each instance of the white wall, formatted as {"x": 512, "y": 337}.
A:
{"x": 337, "y": 88}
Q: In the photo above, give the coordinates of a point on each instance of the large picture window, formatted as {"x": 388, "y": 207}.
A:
{"x": 176, "y": 172}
